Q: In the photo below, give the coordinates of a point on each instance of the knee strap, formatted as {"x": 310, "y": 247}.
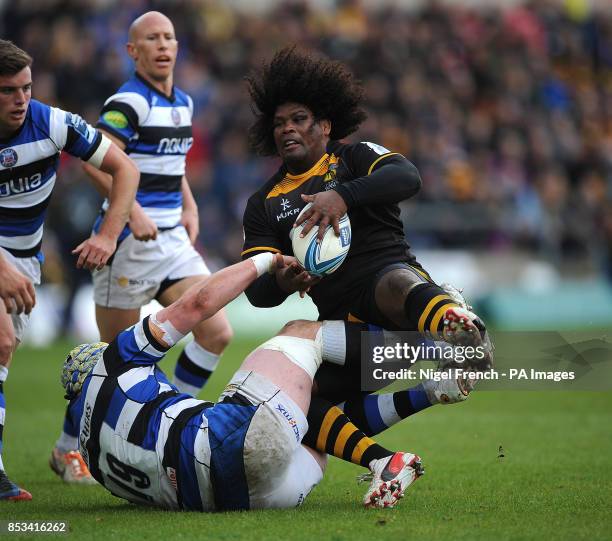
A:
{"x": 303, "y": 352}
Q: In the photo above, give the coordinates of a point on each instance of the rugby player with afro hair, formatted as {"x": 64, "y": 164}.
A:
{"x": 326, "y": 87}
{"x": 303, "y": 106}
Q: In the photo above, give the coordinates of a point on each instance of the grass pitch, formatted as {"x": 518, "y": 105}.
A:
{"x": 555, "y": 479}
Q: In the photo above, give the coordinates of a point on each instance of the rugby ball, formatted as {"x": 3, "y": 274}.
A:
{"x": 321, "y": 258}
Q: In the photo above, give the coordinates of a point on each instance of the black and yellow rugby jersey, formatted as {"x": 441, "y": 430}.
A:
{"x": 377, "y": 231}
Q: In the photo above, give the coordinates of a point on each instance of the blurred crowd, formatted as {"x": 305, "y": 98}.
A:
{"x": 507, "y": 113}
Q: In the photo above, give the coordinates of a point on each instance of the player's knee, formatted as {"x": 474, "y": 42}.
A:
{"x": 224, "y": 336}
{"x": 301, "y": 328}
{"x": 216, "y": 341}
{"x": 395, "y": 285}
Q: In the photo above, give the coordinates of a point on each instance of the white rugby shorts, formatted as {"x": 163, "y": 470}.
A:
{"x": 138, "y": 268}
{"x": 280, "y": 472}
{"x": 30, "y": 267}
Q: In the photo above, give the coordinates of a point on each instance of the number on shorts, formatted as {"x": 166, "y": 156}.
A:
{"x": 129, "y": 476}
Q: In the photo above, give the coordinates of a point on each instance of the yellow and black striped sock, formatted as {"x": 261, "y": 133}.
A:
{"x": 331, "y": 431}
{"x": 425, "y": 306}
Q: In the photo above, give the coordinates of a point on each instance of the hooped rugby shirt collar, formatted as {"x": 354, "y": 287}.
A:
{"x": 170, "y": 97}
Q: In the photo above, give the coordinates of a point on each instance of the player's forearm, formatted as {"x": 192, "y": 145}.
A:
{"x": 207, "y": 297}
{"x": 189, "y": 203}
{"x": 102, "y": 181}
{"x": 125, "y": 177}
{"x": 265, "y": 292}
{"x": 390, "y": 183}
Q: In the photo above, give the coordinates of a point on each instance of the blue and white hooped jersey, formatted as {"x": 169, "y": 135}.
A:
{"x": 146, "y": 442}
{"x": 28, "y": 167}
{"x": 156, "y": 130}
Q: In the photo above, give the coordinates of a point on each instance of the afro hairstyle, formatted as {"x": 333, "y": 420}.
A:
{"x": 325, "y": 86}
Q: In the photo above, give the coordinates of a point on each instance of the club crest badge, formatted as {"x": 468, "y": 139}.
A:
{"x": 176, "y": 116}
{"x": 8, "y": 157}
{"x": 331, "y": 172}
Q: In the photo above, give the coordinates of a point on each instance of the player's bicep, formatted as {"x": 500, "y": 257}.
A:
{"x": 111, "y": 159}
{"x": 259, "y": 236}
{"x": 119, "y": 120}
{"x": 367, "y": 157}
{"x": 81, "y": 139}
{"x": 113, "y": 138}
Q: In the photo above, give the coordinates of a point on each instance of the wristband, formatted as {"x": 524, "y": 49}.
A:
{"x": 263, "y": 263}
{"x": 169, "y": 334}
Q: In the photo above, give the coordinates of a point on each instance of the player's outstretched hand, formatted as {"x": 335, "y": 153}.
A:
{"x": 94, "y": 252}
{"x": 291, "y": 277}
{"x": 191, "y": 222}
{"x": 281, "y": 261}
{"x": 141, "y": 225}
{"x": 327, "y": 208}
{"x": 16, "y": 290}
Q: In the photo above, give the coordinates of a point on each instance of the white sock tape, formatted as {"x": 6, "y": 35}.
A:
{"x": 334, "y": 342}
{"x": 170, "y": 335}
{"x": 263, "y": 263}
{"x": 304, "y": 352}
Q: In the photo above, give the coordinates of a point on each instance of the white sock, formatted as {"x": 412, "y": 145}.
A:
{"x": 67, "y": 443}
{"x": 205, "y": 363}
{"x": 334, "y": 342}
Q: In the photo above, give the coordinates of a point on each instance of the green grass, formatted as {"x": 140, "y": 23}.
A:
{"x": 555, "y": 479}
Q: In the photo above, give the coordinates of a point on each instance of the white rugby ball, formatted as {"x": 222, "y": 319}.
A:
{"x": 321, "y": 259}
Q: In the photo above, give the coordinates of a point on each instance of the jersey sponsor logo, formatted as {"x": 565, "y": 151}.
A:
{"x": 8, "y": 157}
{"x": 174, "y": 145}
{"x": 288, "y": 214}
{"x": 176, "y": 116}
{"x": 85, "y": 433}
{"x": 20, "y": 185}
{"x": 285, "y": 203}
{"x": 80, "y": 126}
{"x": 379, "y": 149}
{"x": 292, "y": 422}
{"x": 116, "y": 119}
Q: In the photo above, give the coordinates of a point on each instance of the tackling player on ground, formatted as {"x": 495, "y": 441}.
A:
{"x": 150, "y": 119}
{"x": 150, "y": 444}
{"x": 32, "y": 136}
{"x": 304, "y": 107}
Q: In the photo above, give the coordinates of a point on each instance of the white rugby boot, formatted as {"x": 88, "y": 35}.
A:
{"x": 462, "y": 327}
{"x": 456, "y": 294}
{"x": 448, "y": 391}
{"x": 389, "y": 478}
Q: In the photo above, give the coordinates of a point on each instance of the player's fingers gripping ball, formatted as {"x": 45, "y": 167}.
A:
{"x": 321, "y": 258}
{"x": 77, "y": 366}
